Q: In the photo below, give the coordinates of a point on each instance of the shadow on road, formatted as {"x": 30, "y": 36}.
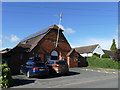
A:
{"x": 18, "y": 82}
{"x": 72, "y": 73}
{"x": 57, "y": 75}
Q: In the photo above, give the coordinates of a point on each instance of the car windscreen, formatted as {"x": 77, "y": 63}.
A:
{"x": 50, "y": 62}
{"x": 62, "y": 63}
{"x": 39, "y": 64}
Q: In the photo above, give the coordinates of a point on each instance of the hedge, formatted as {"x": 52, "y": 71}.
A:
{"x": 105, "y": 56}
{"x": 6, "y": 78}
{"x": 103, "y": 63}
{"x": 97, "y": 55}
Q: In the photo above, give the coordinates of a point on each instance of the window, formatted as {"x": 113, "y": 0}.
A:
{"x": 54, "y": 55}
{"x": 53, "y": 41}
{"x": 76, "y": 59}
{"x": 62, "y": 63}
{"x": 62, "y": 58}
{"x": 48, "y": 57}
{"x": 28, "y": 65}
{"x": 39, "y": 64}
{"x": 21, "y": 56}
{"x": 73, "y": 59}
{"x": 36, "y": 54}
{"x": 50, "y": 62}
{"x": 59, "y": 42}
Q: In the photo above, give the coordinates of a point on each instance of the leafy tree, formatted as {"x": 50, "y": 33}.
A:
{"x": 105, "y": 56}
{"x": 97, "y": 55}
{"x": 6, "y": 78}
{"x": 113, "y": 46}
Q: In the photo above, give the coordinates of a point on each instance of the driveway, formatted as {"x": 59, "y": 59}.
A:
{"x": 77, "y": 78}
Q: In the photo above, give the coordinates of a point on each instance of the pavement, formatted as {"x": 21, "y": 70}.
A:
{"x": 114, "y": 71}
{"x": 77, "y": 78}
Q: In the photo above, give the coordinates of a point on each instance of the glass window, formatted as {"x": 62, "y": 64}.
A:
{"x": 53, "y": 41}
{"x": 62, "y": 58}
{"x": 50, "y": 62}
{"x": 73, "y": 59}
{"x": 62, "y": 63}
{"x": 36, "y": 54}
{"x": 76, "y": 59}
{"x": 21, "y": 56}
{"x": 48, "y": 57}
{"x": 28, "y": 64}
{"x": 39, "y": 64}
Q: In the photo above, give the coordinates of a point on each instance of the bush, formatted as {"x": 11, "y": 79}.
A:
{"x": 105, "y": 56}
{"x": 97, "y": 55}
{"x": 6, "y": 78}
{"x": 103, "y": 63}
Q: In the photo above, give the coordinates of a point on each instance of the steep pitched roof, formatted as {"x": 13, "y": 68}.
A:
{"x": 29, "y": 42}
{"x": 110, "y": 53}
{"x": 5, "y": 50}
{"x": 70, "y": 52}
{"x": 86, "y": 49}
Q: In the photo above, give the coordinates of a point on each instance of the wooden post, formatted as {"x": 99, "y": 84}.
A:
{"x": 68, "y": 61}
{"x": 59, "y": 55}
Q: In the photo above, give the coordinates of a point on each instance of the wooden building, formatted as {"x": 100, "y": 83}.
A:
{"x": 43, "y": 44}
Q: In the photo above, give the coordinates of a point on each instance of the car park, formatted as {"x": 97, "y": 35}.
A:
{"x": 58, "y": 66}
{"x": 34, "y": 69}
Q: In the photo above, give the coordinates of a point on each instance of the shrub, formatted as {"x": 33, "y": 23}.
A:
{"x": 103, "y": 63}
{"x": 105, "y": 56}
{"x": 6, "y": 78}
{"x": 97, "y": 55}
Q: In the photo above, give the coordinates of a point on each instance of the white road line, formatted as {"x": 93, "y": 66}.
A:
{"x": 100, "y": 71}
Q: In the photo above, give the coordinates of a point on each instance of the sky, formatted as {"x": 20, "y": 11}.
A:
{"x": 84, "y": 23}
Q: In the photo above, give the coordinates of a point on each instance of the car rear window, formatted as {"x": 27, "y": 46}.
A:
{"x": 62, "y": 63}
{"x": 50, "y": 62}
{"x": 39, "y": 64}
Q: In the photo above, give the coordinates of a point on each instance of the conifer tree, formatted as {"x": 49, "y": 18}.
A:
{"x": 113, "y": 46}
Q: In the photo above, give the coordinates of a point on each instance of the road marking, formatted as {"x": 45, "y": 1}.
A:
{"x": 57, "y": 86}
{"x": 100, "y": 71}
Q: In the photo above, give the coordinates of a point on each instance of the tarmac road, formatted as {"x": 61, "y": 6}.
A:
{"x": 77, "y": 78}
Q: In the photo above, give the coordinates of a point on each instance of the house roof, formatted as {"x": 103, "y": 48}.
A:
{"x": 29, "y": 42}
{"x": 110, "y": 53}
{"x": 71, "y": 51}
{"x": 86, "y": 49}
{"x": 5, "y": 50}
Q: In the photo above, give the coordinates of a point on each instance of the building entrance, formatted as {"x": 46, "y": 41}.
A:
{"x": 54, "y": 55}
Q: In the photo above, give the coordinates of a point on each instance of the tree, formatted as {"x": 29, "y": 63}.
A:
{"x": 97, "y": 55}
{"x": 105, "y": 56}
{"x": 113, "y": 46}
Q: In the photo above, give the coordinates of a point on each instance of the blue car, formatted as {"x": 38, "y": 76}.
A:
{"x": 34, "y": 69}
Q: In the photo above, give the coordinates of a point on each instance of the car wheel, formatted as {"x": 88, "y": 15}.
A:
{"x": 21, "y": 72}
{"x": 28, "y": 74}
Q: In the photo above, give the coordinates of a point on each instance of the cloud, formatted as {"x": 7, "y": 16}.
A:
{"x": 12, "y": 38}
{"x": 67, "y": 30}
{"x": 105, "y": 43}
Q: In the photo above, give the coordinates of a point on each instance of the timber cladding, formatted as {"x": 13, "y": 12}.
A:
{"x": 44, "y": 45}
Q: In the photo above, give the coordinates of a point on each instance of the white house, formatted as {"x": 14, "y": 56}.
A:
{"x": 88, "y": 51}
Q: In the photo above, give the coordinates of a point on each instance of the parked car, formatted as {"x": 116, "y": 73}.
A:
{"x": 34, "y": 59}
{"x": 34, "y": 69}
{"x": 58, "y": 66}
